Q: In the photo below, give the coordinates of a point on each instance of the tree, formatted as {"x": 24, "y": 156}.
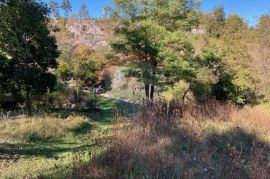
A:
{"x": 173, "y": 14}
{"x": 145, "y": 28}
{"x": 219, "y": 14}
{"x": 85, "y": 67}
{"x": 3, "y": 76}
{"x": 3, "y": 67}
{"x": 86, "y": 72}
{"x": 106, "y": 12}
{"x": 54, "y": 8}
{"x": 64, "y": 70}
{"x": 234, "y": 79}
{"x": 179, "y": 64}
{"x": 31, "y": 50}
{"x": 139, "y": 44}
{"x": 261, "y": 46}
{"x": 228, "y": 53}
{"x": 235, "y": 27}
{"x": 83, "y": 12}
{"x": 216, "y": 22}
{"x": 66, "y": 7}
{"x": 263, "y": 30}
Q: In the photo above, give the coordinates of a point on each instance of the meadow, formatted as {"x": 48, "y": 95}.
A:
{"x": 48, "y": 145}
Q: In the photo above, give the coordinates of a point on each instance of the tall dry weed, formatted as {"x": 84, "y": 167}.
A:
{"x": 209, "y": 142}
{"x": 36, "y": 129}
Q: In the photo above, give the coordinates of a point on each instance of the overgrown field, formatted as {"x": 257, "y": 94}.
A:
{"x": 210, "y": 141}
{"x": 48, "y": 146}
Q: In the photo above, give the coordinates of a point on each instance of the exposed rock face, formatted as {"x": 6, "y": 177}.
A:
{"x": 87, "y": 32}
{"x": 198, "y": 31}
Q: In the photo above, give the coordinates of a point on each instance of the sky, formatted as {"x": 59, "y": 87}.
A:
{"x": 251, "y": 10}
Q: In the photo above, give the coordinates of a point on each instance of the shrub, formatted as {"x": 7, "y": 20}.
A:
{"x": 91, "y": 101}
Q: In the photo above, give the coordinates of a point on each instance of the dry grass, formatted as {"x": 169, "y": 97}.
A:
{"x": 211, "y": 141}
{"x": 39, "y": 128}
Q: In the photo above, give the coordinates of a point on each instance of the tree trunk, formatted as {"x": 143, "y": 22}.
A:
{"x": 152, "y": 91}
{"x": 184, "y": 95}
{"x": 146, "y": 88}
{"x": 183, "y": 100}
{"x": 28, "y": 102}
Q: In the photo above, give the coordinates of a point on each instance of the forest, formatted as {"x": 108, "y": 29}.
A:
{"x": 150, "y": 89}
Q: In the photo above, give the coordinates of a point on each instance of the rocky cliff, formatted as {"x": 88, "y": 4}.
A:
{"x": 92, "y": 33}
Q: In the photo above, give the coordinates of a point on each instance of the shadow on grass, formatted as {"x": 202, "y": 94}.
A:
{"x": 104, "y": 115}
{"x": 105, "y": 112}
{"x": 108, "y": 107}
{"x": 37, "y": 150}
{"x": 82, "y": 128}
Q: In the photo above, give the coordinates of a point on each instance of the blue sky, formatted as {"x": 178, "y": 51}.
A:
{"x": 251, "y": 10}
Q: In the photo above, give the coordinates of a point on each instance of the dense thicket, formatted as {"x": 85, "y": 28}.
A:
{"x": 232, "y": 54}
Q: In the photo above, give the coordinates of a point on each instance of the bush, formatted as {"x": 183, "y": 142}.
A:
{"x": 91, "y": 101}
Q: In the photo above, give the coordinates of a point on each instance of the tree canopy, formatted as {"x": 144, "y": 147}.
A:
{"x": 153, "y": 39}
{"x": 25, "y": 39}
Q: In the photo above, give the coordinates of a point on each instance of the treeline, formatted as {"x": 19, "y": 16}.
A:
{"x": 238, "y": 54}
{"x": 66, "y": 7}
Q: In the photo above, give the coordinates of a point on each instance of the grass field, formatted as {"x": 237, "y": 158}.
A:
{"x": 48, "y": 146}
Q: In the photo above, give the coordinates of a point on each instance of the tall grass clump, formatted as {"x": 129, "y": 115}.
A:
{"x": 213, "y": 140}
{"x": 34, "y": 129}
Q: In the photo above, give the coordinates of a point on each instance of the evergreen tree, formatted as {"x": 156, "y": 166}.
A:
{"x": 216, "y": 22}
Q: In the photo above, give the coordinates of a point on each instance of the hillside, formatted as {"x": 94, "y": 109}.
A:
{"x": 91, "y": 33}
{"x": 96, "y": 36}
